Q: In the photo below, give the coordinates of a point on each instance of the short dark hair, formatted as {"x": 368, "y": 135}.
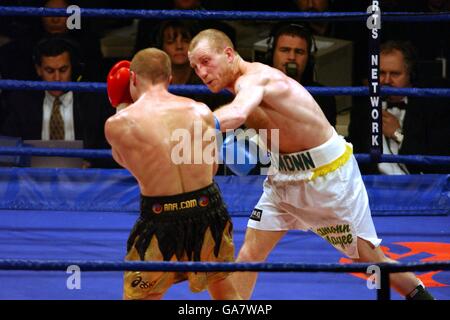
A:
{"x": 53, "y": 46}
{"x": 292, "y": 29}
{"x": 408, "y": 51}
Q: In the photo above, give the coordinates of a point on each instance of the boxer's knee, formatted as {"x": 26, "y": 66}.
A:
{"x": 249, "y": 253}
{"x": 258, "y": 244}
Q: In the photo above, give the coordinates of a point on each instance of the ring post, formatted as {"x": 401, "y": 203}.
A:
{"x": 376, "y": 131}
{"x": 384, "y": 293}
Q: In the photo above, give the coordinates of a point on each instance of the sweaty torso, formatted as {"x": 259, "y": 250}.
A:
{"x": 162, "y": 155}
{"x": 287, "y": 107}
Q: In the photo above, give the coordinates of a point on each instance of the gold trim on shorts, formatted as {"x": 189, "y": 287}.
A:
{"x": 334, "y": 165}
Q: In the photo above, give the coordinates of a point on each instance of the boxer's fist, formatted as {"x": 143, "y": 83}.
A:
{"x": 239, "y": 153}
{"x": 118, "y": 84}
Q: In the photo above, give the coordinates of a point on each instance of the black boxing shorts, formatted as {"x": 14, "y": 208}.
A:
{"x": 193, "y": 226}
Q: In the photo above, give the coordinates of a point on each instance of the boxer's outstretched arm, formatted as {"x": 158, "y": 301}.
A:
{"x": 234, "y": 114}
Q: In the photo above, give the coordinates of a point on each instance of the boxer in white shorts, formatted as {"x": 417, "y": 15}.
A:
{"x": 328, "y": 196}
{"x": 319, "y": 190}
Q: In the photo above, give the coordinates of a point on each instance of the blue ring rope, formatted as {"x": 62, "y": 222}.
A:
{"x": 84, "y": 265}
{"x": 224, "y": 15}
{"x": 106, "y": 153}
{"x": 406, "y": 159}
{"x": 59, "y": 152}
{"x": 202, "y": 89}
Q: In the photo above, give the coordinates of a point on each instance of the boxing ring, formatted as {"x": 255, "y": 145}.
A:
{"x": 51, "y": 219}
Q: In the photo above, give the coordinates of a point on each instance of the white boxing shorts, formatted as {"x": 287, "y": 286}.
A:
{"x": 321, "y": 190}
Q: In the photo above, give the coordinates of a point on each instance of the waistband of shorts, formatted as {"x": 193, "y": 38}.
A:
{"x": 319, "y": 160}
{"x": 202, "y": 198}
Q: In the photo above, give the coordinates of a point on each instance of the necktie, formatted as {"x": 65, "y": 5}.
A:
{"x": 56, "y": 122}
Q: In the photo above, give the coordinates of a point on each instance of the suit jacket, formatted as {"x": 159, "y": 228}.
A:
{"x": 426, "y": 131}
{"x": 90, "y": 111}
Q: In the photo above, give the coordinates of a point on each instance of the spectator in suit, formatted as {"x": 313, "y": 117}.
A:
{"x": 292, "y": 51}
{"x": 56, "y": 114}
{"x": 17, "y": 53}
{"x": 410, "y": 125}
{"x": 89, "y": 41}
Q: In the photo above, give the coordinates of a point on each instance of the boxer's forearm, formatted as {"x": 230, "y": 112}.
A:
{"x": 234, "y": 114}
{"x": 230, "y": 117}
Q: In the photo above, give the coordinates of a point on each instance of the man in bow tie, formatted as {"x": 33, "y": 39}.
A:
{"x": 410, "y": 125}
{"x": 396, "y": 70}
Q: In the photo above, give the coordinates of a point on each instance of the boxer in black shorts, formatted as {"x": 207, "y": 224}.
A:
{"x": 193, "y": 226}
{"x": 183, "y": 217}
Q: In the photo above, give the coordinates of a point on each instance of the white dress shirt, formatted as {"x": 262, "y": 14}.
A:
{"x": 391, "y": 146}
{"x": 66, "y": 110}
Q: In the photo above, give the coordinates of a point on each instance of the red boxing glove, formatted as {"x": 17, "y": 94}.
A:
{"x": 118, "y": 84}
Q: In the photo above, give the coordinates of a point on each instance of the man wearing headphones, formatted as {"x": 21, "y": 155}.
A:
{"x": 57, "y": 114}
{"x": 291, "y": 50}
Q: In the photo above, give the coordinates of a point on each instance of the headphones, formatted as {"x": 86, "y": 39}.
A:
{"x": 297, "y": 30}
{"x": 56, "y": 45}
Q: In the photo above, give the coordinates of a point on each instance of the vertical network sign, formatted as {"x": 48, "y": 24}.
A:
{"x": 374, "y": 25}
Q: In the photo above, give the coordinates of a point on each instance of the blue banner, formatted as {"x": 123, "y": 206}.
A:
{"x": 117, "y": 191}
